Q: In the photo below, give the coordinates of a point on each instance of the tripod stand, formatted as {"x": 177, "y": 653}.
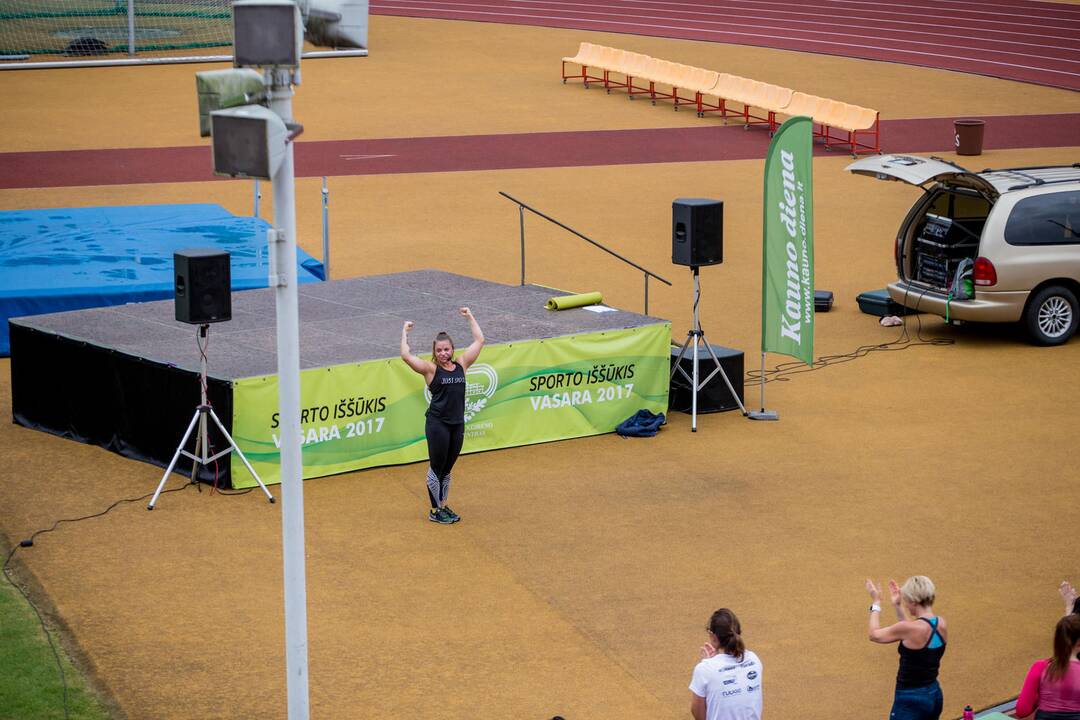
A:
{"x": 696, "y": 336}
{"x": 202, "y": 456}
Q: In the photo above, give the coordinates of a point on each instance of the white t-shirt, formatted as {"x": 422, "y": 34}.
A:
{"x": 732, "y": 689}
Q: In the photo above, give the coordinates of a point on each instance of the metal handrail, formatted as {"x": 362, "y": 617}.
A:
{"x": 522, "y": 207}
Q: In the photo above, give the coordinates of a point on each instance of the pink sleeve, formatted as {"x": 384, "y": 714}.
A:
{"x": 1029, "y": 694}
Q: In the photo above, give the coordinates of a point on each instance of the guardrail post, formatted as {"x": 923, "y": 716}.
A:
{"x": 131, "y": 27}
{"x": 521, "y": 221}
{"x": 325, "y": 230}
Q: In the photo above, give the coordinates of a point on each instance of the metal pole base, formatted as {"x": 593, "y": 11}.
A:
{"x": 203, "y": 457}
{"x": 763, "y": 414}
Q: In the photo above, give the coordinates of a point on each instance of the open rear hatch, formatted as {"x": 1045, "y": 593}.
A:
{"x": 944, "y": 231}
{"x": 922, "y": 171}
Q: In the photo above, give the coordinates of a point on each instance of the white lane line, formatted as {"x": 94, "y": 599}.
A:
{"x": 1018, "y": 10}
{"x": 869, "y": 10}
{"x": 787, "y": 16}
{"x": 1071, "y": 15}
{"x": 752, "y": 35}
{"x": 730, "y": 23}
{"x": 363, "y": 157}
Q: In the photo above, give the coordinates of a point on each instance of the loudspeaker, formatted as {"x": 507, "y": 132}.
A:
{"x": 203, "y": 286}
{"x": 714, "y": 397}
{"x": 697, "y": 231}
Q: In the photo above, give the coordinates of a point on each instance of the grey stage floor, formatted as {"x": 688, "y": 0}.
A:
{"x": 341, "y": 321}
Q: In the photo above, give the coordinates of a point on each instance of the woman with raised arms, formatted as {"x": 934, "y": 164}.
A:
{"x": 445, "y": 424}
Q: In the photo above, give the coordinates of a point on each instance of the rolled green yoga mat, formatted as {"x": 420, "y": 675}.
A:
{"x": 565, "y": 302}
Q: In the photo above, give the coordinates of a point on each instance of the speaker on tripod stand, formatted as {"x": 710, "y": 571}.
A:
{"x": 203, "y": 295}
{"x": 697, "y": 238}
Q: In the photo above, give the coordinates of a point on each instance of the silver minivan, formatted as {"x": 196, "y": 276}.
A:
{"x": 988, "y": 246}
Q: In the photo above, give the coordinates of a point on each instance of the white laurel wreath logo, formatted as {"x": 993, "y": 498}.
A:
{"x": 471, "y": 408}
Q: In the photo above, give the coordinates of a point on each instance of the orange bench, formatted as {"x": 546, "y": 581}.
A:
{"x": 757, "y": 103}
{"x": 586, "y": 56}
{"x": 750, "y": 94}
{"x": 851, "y": 119}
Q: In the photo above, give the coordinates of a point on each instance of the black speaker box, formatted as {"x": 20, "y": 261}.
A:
{"x": 203, "y": 286}
{"x": 714, "y": 397}
{"x": 697, "y": 232}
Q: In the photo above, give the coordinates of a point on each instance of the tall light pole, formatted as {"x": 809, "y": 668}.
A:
{"x": 288, "y": 352}
{"x": 253, "y": 141}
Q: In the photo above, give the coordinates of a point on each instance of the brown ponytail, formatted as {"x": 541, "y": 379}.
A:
{"x": 725, "y": 626}
{"x": 1066, "y": 635}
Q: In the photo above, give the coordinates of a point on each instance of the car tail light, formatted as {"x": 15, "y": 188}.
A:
{"x": 984, "y": 273}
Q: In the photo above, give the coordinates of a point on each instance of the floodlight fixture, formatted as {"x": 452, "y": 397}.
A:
{"x": 336, "y": 23}
{"x": 220, "y": 89}
{"x": 267, "y": 33}
{"x": 248, "y": 141}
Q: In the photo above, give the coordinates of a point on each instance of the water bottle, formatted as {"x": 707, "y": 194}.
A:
{"x": 968, "y": 714}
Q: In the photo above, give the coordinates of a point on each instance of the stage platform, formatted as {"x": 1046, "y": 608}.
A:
{"x": 124, "y": 377}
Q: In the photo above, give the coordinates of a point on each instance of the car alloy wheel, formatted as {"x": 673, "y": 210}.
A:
{"x": 1051, "y": 316}
{"x": 1055, "y": 316}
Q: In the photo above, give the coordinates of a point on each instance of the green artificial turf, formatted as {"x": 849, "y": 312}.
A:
{"x": 30, "y": 685}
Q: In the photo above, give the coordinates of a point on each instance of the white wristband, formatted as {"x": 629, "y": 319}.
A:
{"x": 875, "y": 608}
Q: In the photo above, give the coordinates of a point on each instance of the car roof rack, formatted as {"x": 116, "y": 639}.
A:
{"x": 1033, "y": 176}
{"x": 1032, "y": 167}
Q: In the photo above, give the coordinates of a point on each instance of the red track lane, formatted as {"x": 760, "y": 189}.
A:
{"x": 500, "y": 152}
{"x": 1014, "y": 39}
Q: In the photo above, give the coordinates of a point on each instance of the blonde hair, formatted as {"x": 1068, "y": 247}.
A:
{"x": 919, "y": 590}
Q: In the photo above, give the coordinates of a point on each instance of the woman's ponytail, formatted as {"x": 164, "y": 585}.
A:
{"x": 725, "y": 626}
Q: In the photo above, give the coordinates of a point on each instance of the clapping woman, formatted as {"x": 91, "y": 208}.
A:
{"x": 726, "y": 684}
{"x": 920, "y": 635}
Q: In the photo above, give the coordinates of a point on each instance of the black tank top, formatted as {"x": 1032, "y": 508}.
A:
{"x": 919, "y": 668}
{"x": 448, "y": 395}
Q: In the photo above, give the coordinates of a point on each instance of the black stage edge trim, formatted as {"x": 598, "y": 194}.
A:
{"x": 135, "y": 407}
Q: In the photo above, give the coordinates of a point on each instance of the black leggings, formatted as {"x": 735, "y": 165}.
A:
{"x": 444, "y": 445}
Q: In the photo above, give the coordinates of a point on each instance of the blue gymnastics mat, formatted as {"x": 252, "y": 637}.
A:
{"x": 73, "y": 258}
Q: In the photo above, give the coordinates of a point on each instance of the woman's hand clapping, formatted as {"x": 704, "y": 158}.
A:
{"x": 894, "y": 593}
{"x": 874, "y": 590}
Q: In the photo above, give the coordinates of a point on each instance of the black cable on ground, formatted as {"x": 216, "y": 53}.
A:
{"x": 904, "y": 341}
{"x": 781, "y": 372}
{"x": 29, "y": 542}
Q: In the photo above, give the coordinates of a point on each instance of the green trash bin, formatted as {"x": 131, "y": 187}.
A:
{"x": 969, "y": 136}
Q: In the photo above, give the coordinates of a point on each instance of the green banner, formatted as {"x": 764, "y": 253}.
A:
{"x": 787, "y": 248}
{"x": 372, "y": 413}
